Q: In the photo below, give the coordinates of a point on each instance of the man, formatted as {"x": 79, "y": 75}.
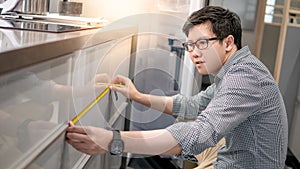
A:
{"x": 243, "y": 105}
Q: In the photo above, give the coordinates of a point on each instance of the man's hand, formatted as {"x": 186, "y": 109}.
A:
{"x": 160, "y": 103}
{"x": 128, "y": 90}
{"x": 89, "y": 140}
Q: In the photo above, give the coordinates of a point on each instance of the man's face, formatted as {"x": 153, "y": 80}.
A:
{"x": 211, "y": 59}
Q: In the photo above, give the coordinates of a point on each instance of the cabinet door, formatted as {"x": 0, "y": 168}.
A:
{"x": 30, "y": 109}
{"x": 58, "y": 153}
{"x": 85, "y": 65}
{"x": 105, "y": 60}
{"x": 115, "y": 61}
{"x": 37, "y": 102}
{"x": 95, "y": 162}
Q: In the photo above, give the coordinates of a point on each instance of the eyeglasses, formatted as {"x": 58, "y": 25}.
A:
{"x": 200, "y": 44}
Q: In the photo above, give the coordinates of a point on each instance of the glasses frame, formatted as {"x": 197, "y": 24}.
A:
{"x": 193, "y": 44}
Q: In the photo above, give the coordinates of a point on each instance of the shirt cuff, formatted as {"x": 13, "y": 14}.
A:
{"x": 176, "y": 131}
{"x": 176, "y": 105}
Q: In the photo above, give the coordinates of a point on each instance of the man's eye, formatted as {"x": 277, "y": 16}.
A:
{"x": 202, "y": 42}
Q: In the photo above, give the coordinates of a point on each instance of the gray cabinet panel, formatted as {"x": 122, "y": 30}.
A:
{"x": 36, "y": 101}
{"x": 29, "y": 107}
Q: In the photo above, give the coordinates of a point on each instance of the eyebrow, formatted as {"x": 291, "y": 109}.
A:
{"x": 202, "y": 37}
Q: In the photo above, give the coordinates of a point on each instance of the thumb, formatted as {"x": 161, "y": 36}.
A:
{"x": 115, "y": 88}
{"x": 71, "y": 124}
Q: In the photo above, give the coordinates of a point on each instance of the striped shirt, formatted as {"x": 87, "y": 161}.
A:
{"x": 245, "y": 106}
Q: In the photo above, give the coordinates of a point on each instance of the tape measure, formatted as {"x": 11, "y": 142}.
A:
{"x": 98, "y": 98}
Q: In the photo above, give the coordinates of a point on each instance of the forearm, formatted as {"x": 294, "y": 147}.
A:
{"x": 93, "y": 140}
{"x": 160, "y": 103}
{"x": 152, "y": 142}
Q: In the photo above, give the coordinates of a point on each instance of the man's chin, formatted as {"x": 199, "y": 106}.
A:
{"x": 202, "y": 72}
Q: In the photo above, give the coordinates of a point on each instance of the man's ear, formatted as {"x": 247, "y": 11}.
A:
{"x": 229, "y": 42}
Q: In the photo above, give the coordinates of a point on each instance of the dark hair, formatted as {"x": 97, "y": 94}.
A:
{"x": 223, "y": 22}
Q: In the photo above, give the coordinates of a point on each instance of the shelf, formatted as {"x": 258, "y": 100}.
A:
{"x": 294, "y": 17}
{"x": 276, "y": 6}
{"x": 275, "y": 15}
{"x": 273, "y": 24}
{"x": 293, "y": 25}
{"x": 294, "y": 10}
{"x": 278, "y": 15}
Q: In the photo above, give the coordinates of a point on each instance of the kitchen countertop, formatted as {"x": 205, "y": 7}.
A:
{"x": 20, "y": 49}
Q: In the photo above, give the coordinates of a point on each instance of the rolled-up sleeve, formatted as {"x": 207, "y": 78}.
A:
{"x": 237, "y": 98}
{"x": 187, "y": 108}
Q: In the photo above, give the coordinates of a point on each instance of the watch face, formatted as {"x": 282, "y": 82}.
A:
{"x": 116, "y": 147}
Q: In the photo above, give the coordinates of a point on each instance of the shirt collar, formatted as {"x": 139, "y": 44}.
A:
{"x": 238, "y": 55}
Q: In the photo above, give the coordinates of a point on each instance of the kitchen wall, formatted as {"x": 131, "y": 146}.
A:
{"x": 124, "y": 10}
{"x": 115, "y": 9}
{"x": 155, "y": 64}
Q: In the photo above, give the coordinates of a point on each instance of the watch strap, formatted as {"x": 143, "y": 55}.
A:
{"x": 116, "y": 135}
{"x": 116, "y": 145}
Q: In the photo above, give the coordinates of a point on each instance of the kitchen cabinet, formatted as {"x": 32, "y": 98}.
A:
{"x": 34, "y": 110}
{"x": 28, "y": 109}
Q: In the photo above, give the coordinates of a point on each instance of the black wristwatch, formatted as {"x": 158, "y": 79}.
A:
{"x": 116, "y": 146}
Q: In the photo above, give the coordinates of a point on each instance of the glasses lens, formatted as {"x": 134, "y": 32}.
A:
{"x": 188, "y": 47}
{"x": 201, "y": 44}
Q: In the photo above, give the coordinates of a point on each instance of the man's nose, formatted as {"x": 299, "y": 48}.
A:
{"x": 195, "y": 52}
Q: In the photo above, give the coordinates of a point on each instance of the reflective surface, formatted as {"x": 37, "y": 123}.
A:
{"x": 37, "y": 100}
{"x": 30, "y": 107}
{"x": 12, "y": 39}
{"x": 39, "y": 26}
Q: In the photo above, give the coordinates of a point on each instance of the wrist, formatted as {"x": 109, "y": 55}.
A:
{"x": 116, "y": 146}
{"x": 137, "y": 96}
{"x": 108, "y": 138}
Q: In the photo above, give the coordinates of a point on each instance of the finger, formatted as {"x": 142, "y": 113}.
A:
{"x": 72, "y": 141}
{"x": 77, "y": 129}
{"x": 70, "y": 124}
{"x": 86, "y": 147}
{"x": 87, "y": 151}
{"x": 116, "y": 88}
{"x": 77, "y": 137}
{"x": 119, "y": 80}
{"x": 78, "y": 146}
